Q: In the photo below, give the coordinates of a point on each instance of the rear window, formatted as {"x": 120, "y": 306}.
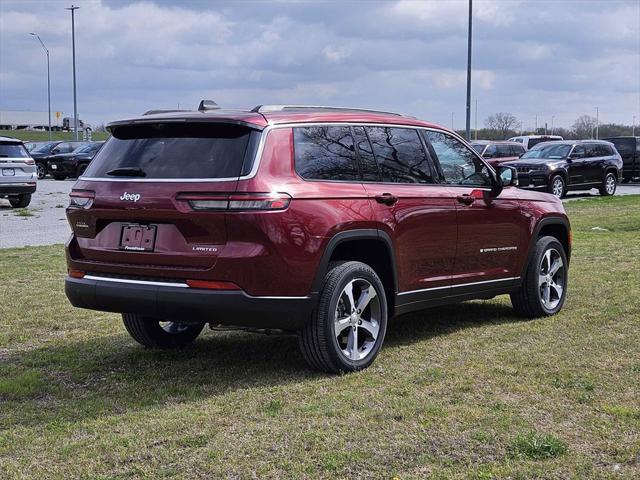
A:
{"x": 164, "y": 150}
{"x": 13, "y": 150}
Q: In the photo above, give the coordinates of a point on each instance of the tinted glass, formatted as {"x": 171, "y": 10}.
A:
{"x": 625, "y": 146}
{"x": 592, "y": 150}
{"x": 517, "y": 150}
{"x": 503, "y": 151}
{"x": 400, "y": 155}
{"x": 199, "y": 150}
{"x": 13, "y": 150}
{"x": 578, "y": 151}
{"x": 491, "y": 152}
{"x": 548, "y": 151}
{"x": 535, "y": 141}
{"x": 459, "y": 165}
{"x": 604, "y": 150}
{"x": 368, "y": 166}
{"x": 325, "y": 153}
{"x": 478, "y": 147}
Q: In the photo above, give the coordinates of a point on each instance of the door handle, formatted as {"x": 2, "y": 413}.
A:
{"x": 466, "y": 199}
{"x": 386, "y": 198}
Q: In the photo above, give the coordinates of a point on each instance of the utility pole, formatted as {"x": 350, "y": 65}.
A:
{"x": 597, "y": 123}
{"x": 46, "y": 50}
{"x": 552, "y": 118}
{"x": 536, "y": 130}
{"x": 477, "y": 118}
{"x": 633, "y": 127}
{"x": 73, "y": 8}
{"x": 452, "y": 121}
{"x": 468, "y": 124}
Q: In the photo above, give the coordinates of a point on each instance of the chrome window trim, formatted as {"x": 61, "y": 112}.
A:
{"x": 459, "y": 285}
{"x": 263, "y": 138}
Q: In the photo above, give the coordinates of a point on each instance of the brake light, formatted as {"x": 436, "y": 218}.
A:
{"x": 29, "y": 161}
{"x": 81, "y": 198}
{"x": 236, "y": 202}
{"x": 76, "y": 273}
{"x": 212, "y": 285}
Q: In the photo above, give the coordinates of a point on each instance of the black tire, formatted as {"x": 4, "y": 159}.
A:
{"x": 58, "y": 176}
{"x": 320, "y": 345}
{"x": 41, "y": 169}
{"x": 20, "y": 201}
{"x": 558, "y": 186}
{"x": 609, "y": 185}
{"x": 528, "y": 300}
{"x": 149, "y": 332}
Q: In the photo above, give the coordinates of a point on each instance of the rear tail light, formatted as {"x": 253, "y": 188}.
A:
{"x": 76, "y": 273}
{"x": 29, "y": 161}
{"x": 81, "y": 198}
{"x": 236, "y": 202}
{"x": 212, "y": 285}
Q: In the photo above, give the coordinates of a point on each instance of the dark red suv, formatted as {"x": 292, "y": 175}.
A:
{"x": 322, "y": 221}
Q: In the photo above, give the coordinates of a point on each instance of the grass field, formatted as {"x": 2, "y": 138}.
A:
{"x": 36, "y": 136}
{"x": 467, "y": 391}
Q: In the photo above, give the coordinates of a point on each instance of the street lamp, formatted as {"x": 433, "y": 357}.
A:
{"x": 468, "y": 122}
{"x": 48, "y": 79}
{"x": 597, "y": 122}
{"x": 633, "y": 127}
{"x": 73, "y": 8}
{"x": 552, "y": 118}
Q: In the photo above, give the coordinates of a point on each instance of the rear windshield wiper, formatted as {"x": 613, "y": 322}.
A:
{"x": 127, "y": 172}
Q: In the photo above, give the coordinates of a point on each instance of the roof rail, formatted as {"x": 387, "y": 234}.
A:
{"x": 154, "y": 112}
{"x": 283, "y": 108}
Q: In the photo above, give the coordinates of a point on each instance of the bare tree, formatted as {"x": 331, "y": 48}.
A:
{"x": 504, "y": 122}
{"x": 583, "y": 127}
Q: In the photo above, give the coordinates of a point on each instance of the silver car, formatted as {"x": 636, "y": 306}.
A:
{"x": 18, "y": 174}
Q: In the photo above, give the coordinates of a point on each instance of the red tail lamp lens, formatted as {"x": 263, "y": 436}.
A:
{"x": 81, "y": 198}
{"x": 212, "y": 285}
{"x": 236, "y": 202}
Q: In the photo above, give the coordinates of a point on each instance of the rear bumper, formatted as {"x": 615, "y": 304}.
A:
{"x": 17, "y": 188}
{"x": 177, "y": 302}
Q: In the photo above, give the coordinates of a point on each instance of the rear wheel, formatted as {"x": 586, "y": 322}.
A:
{"x": 346, "y": 331}
{"x": 558, "y": 187}
{"x": 20, "y": 201}
{"x": 544, "y": 286}
{"x": 42, "y": 171}
{"x": 609, "y": 185}
{"x": 158, "y": 333}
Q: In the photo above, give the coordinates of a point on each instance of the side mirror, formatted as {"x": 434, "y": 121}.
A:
{"x": 507, "y": 176}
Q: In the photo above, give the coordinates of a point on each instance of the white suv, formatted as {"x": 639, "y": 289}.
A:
{"x": 18, "y": 174}
{"x": 529, "y": 141}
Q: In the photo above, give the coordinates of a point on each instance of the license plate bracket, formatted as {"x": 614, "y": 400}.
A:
{"x": 138, "y": 238}
{"x": 8, "y": 172}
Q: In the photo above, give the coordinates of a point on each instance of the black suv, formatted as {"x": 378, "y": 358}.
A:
{"x": 42, "y": 153}
{"x": 629, "y": 150}
{"x": 557, "y": 167}
{"x": 72, "y": 164}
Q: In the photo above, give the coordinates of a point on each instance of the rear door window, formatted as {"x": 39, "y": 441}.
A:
{"x": 400, "y": 155}
{"x": 165, "y": 150}
{"x": 517, "y": 150}
{"x": 368, "y": 166}
{"x": 592, "y": 150}
{"x": 503, "y": 151}
{"x": 325, "y": 153}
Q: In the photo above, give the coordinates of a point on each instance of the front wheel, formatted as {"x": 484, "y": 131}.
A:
{"x": 558, "y": 187}
{"x": 158, "y": 333}
{"x": 544, "y": 286}
{"x": 347, "y": 328}
{"x": 42, "y": 170}
{"x": 609, "y": 185}
{"x": 20, "y": 201}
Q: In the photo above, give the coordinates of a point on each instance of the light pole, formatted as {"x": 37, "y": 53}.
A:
{"x": 597, "y": 123}
{"x": 48, "y": 79}
{"x": 468, "y": 124}
{"x": 633, "y": 127}
{"x": 452, "y": 122}
{"x": 476, "y": 119}
{"x": 552, "y": 118}
{"x": 73, "y": 8}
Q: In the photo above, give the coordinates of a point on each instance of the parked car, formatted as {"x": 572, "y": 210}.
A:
{"x": 42, "y": 153}
{"x": 72, "y": 164}
{"x": 321, "y": 221}
{"x": 529, "y": 141}
{"x": 629, "y": 150}
{"x": 497, "y": 152}
{"x": 18, "y": 176}
{"x": 557, "y": 167}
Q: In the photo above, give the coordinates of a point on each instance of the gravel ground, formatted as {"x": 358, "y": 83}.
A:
{"x": 47, "y": 223}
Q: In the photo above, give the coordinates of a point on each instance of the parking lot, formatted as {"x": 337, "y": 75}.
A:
{"x": 44, "y": 221}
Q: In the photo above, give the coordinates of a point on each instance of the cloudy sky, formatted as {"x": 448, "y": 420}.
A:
{"x": 534, "y": 57}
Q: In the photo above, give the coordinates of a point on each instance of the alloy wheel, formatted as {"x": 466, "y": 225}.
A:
{"x": 551, "y": 279}
{"x": 173, "y": 327}
{"x": 610, "y": 184}
{"x": 41, "y": 171}
{"x": 357, "y": 319}
{"x": 558, "y": 187}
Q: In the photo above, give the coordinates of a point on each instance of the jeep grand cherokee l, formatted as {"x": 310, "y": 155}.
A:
{"x": 18, "y": 175}
{"x": 557, "y": 167}
{"x": 322, "y": 221}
